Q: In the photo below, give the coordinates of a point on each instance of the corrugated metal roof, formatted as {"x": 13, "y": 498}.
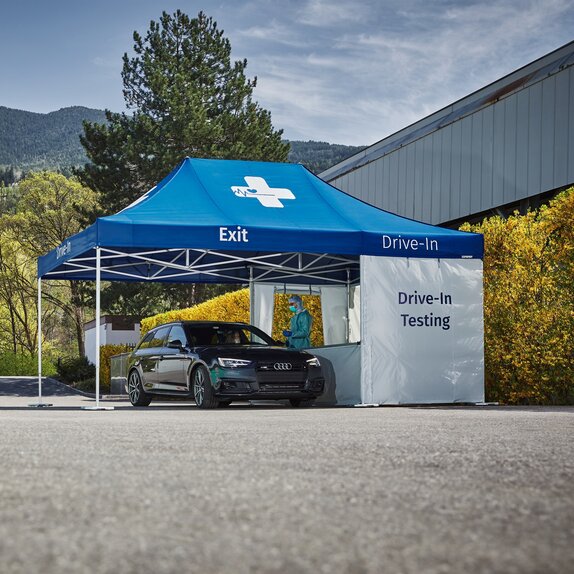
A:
{"x": 520, "y": 79}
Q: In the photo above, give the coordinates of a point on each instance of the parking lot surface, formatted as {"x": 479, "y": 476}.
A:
{"x": 247, "y": 489}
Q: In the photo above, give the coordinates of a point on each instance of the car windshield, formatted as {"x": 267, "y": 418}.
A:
{"x": 226, "y": 334}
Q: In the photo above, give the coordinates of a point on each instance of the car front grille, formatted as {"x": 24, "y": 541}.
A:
{"x": 281, "y": 376}
{"x": 281, "y": 387}
{"x": 280, "y": 367}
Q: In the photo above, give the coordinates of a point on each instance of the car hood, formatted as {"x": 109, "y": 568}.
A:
{"x": 254, "y": 353}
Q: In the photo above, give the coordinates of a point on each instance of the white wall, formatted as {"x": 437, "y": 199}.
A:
{"x": 108, "y": 336}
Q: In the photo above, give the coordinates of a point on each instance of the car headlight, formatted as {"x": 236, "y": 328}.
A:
{"x": 314, "y": 362}
{"x": 233, "y": 363}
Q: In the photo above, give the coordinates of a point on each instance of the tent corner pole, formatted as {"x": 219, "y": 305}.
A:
{"x": 347, "y": 314}
{"x": 40, "y": 403}
{"x": 251, "y": 296}
{"x": 98, "y": 318}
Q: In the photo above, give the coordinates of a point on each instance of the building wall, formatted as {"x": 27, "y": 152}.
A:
{"x": 502, "y": 151}
{"x": 109, "y": 336}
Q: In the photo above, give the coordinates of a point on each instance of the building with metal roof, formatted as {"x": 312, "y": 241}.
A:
{"x": 507, "y": 146}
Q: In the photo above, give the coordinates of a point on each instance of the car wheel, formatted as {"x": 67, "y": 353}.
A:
{"x": 202, "y": 389}
{"x": 138, "y": 397}
{"x": 301, "y": 403}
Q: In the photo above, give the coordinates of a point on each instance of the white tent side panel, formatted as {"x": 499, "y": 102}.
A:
{"x": 334, "y": 309}
{"x": 263, "y": 300}
{"x": 422, "y": 330}
{"x": 355, "y": 315}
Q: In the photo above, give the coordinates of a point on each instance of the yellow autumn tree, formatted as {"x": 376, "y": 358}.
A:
{"x": 50, "y": 208}
{"x": 529, "y": 304}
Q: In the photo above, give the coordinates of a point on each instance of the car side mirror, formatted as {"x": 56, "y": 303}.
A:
{"x": 175, "y": 344}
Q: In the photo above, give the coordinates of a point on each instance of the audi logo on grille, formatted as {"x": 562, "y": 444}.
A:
{"x": 282, "y": 366}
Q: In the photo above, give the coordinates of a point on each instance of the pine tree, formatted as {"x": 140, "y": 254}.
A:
{"x": 188, "y": 99}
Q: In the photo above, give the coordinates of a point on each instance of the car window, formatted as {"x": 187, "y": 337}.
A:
{"x": 158, "y": 339}
{"x": 255, "y": 336}
{"x": 225, "y": 334}
{"x": 177, "y": 334}
{"x": 145, "y": 342}
{"x": 199, "y": 336}
{"x": 252, "y": 338}
{"x": 233, "y": 336}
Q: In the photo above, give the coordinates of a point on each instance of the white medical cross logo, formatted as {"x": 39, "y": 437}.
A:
{"x": 258, "y": 188}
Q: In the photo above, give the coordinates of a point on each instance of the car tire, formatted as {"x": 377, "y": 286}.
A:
{"x": 301, "y": 403}
{"x": 202, "y": 389}
{"x": 138, "y": 397}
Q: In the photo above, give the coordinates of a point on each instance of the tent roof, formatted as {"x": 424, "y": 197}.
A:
{"x": 229, "y": 221}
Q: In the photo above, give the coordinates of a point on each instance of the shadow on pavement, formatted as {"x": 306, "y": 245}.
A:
{"x": 28, "y": 387}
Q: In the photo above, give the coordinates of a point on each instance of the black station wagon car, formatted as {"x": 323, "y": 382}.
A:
{"x": 217, "y": 363}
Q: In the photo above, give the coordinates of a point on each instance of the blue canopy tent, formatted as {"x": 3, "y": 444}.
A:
{"x": 225, "y": 221}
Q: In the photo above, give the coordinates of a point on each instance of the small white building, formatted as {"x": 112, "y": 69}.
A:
{"x": 114, "y": 330}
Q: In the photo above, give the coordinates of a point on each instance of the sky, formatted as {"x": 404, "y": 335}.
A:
{"x": 341, "y": 71}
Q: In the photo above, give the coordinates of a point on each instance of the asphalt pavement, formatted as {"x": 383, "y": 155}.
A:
{"x": 28, "y": 387}
{"x": 257, "y": 489}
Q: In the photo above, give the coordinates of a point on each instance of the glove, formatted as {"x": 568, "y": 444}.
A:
{"x": 287, "y": 333}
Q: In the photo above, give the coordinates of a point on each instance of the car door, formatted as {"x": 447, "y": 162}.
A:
{"x": 149, "y": 354}
{"x": 172, "y": 367}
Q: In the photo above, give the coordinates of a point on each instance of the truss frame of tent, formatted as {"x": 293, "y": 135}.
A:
{"x": 174, "y": 264}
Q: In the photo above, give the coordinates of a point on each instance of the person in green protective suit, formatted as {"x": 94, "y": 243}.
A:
{"x": 298, "y": 335}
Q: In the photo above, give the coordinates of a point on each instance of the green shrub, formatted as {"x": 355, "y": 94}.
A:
{"x": 74, "y": 369}
{"x": 24, "y": 365}
{"x": 87, "y": 385}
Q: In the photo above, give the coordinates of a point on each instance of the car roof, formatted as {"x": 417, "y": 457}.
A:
{"x": 204, "y": 324}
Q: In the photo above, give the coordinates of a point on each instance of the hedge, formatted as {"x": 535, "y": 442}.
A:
{"x": 106, "y": 352}
{"x": 234, "y": 306}
{"x": 529, "y": 304}
{"x": 24, "y": 365}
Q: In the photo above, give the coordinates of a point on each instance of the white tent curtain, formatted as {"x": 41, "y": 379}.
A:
{"x": 334, "y": 310}
{"x": 263, "y": 306}
{"x": 355, "y": 314}
{"x": 340, "y": 305}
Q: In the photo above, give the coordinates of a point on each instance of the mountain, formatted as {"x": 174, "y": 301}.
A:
{"x": 319, "y": 156}
{"x": 31, "y": 141}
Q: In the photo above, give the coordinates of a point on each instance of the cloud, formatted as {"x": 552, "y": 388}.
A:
{"x": 101, "y": 62}
{"x": 375, "y": 75}
{"x": 328, "y": 13}
{"x": 273, "y": 33}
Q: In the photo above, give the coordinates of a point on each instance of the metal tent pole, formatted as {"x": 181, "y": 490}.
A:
{"x": 98, "y": 285}
{"x": 251, "y": 297}
{"x": 40, "y": 403}
{"x": 347, "y": 313}
{"x": 98, "y": 288}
